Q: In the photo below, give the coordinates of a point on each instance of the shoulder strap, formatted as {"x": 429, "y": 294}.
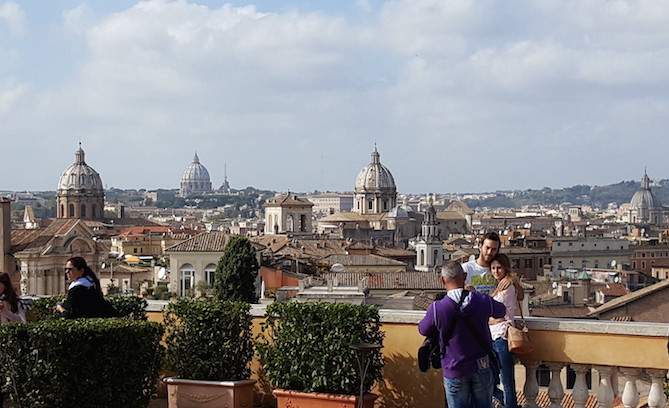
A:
{"x": 449, "y": 333}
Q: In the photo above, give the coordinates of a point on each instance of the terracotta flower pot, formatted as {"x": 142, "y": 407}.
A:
{"x": 298, "y": 399}
{"x": 183, "y": 393}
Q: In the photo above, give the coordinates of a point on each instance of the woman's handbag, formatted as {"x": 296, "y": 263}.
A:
{"x": 519, "y": 337}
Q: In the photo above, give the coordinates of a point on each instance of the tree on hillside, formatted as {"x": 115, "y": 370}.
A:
{"x": 236, "y": 272}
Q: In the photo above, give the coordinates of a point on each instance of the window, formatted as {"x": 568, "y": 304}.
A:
{"x": 83, "y": 211}
{"x": 541, "y": 262}
{"x": 209, "y": 272}
{"x": 515, "y": 263}
{"x": 370, "y": 205}
{"x": 134, "y": 250}
{"x": 528, "y": 263}
{"x": 643, "y": 264}
{"x": 570, "y": 244}
{"x": 186, "y": 275}
{"x": 71, "y": 214}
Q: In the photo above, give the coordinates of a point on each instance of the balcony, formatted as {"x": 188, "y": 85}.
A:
{"x": 624, "y": 362}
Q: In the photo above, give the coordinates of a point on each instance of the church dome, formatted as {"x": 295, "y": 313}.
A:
{"x": 375, "y": 176}
{"x": 80, "y": 176}
{"x": 644, "y": 198}
{"x": 195, "y": 179}
{"x": 196, "y": 172}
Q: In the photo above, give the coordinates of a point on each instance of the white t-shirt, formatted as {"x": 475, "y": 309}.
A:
{"x": 479, "y": 277}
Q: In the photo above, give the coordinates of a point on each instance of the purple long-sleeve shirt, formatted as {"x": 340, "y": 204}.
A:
{"x": 463, "y": 350}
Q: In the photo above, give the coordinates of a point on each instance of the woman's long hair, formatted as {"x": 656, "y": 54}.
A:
{"x": 504, "y": 260}
{"x": 80, "y": 263}
{"x": 10, "y": 293}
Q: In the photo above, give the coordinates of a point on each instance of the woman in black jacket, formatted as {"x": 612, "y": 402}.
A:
{"x": 84, "y": 295}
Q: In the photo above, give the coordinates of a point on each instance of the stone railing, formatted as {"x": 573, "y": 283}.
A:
{"x": 617, "y": 351}
{"x": 627, "y": 361}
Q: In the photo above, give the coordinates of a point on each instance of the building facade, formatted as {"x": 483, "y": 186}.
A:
{"x": 288, "y": 214}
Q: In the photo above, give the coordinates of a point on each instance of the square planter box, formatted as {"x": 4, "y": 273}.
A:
{"x": 298, "y": 399}
{"x": 183, "y": 393}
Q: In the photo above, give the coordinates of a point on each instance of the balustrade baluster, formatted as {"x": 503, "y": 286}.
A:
{"x": 531, "y": 386}
{"x": 605, "y": 395}
{"x": 580, "y": 392}
{"x": 555, "y": 389}
{"x": 630, "y": 393}
{"x": 656, "y": 397}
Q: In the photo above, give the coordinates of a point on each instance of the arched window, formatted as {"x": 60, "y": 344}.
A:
{"x": 62, "y": 211}
{"x": 186, "y": 276}
{"x": 71, "y": 214}
{"x": 421, "y": 257}
{"x": 435, "y": 261}
{"x": 83, "y": 211}
{"x": 93, "y": 212}
{"x": 209, "y": 272}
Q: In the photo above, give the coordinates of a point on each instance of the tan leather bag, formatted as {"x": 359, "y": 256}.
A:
{"x": 519, "y": 337}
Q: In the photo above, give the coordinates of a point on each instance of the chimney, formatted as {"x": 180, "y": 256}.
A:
{"x": 5, "y": 235}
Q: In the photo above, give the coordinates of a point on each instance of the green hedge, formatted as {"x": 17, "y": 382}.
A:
{"x": 305, "y": 346}
{"x": 209, "y": 340}
{"x": 86, "y": 363}
{"x": 131, "y": 307}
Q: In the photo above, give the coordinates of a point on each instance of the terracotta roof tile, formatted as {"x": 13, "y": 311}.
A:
{"x": 25, "y": 240}
{"x": 213, "y": 241}
{"x": 389, "y": 280}
{"x": 362, "y": 260}
{"x": 564, "y": 312}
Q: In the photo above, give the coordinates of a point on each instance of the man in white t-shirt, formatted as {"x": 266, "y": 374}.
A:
{"x": 478, "y": 270}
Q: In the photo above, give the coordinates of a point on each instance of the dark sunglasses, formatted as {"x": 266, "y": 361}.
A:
{"x": 67, "y": 269}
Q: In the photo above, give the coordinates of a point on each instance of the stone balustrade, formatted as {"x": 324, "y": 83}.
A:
{"x": 619, "y": 352}
{"x": 627, "y": 361}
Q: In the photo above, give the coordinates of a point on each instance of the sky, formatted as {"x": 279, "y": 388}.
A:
{"x": 457, "y": 96}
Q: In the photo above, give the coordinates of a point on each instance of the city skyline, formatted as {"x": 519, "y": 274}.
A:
{"x": 466, "y": 96}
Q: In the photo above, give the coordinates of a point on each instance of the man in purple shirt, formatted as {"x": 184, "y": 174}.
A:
{"x": 468, "y": 377}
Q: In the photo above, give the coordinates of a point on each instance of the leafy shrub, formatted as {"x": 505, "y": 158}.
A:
{"x": 131, "y": 307}
{"x": 236, "y": 272}
{"x": 209, "y": 340}
{"x": 305, "y": 346}
{"x": 88, "y": 363}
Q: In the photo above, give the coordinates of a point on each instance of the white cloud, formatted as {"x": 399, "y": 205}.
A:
{"x": 426, "y": 79}
{"x": 13, "y": 16}
{"x": 10, "y": 95}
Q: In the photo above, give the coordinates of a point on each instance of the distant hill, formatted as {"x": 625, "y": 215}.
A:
{"x": 596, "y": 196}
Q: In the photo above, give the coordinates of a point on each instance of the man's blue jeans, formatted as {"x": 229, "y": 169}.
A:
{"x": 472, "y": 391}
{"x": 506, "y": 363}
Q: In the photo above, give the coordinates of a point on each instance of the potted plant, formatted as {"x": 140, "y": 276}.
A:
{"x": 305, "y": 350}
{"x": 209, "y": 347}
